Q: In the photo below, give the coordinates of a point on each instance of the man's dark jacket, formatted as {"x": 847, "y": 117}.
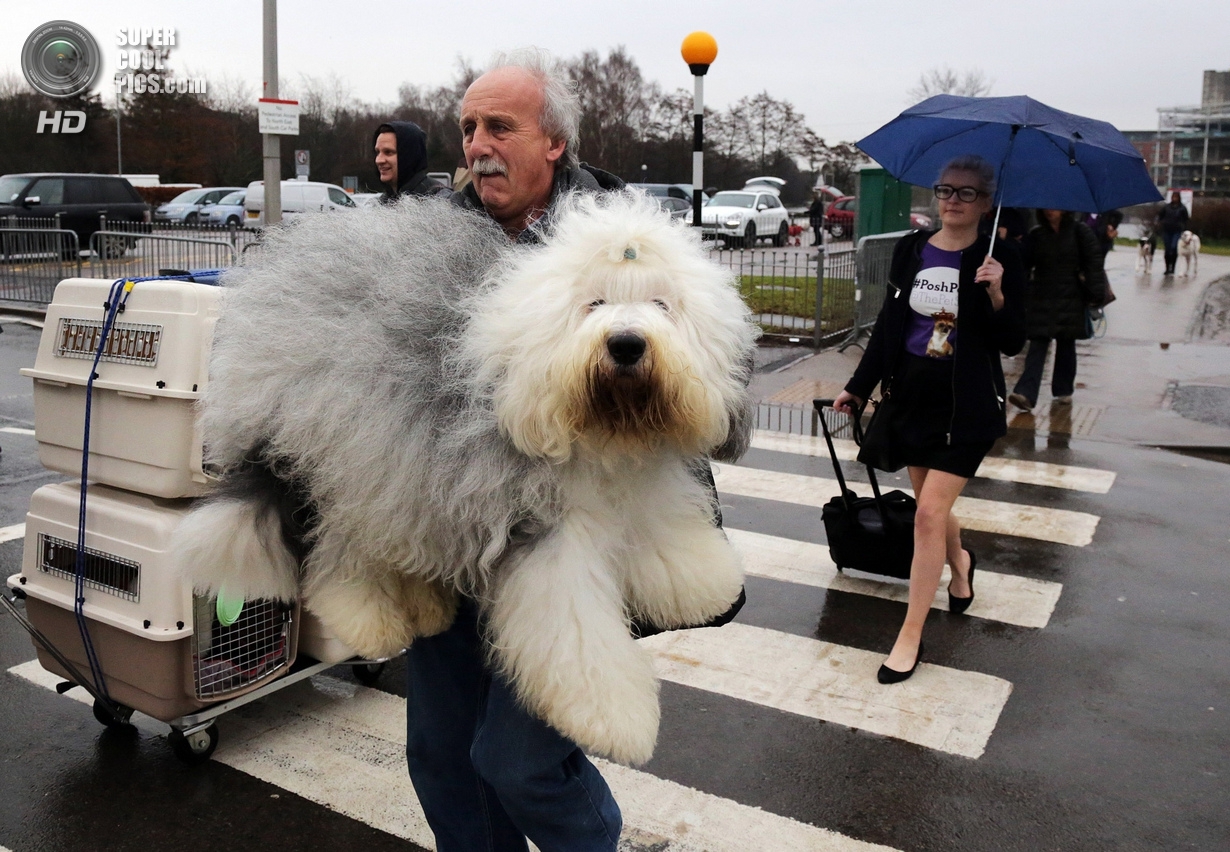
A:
{"x": 1065, "y": 274}
{"x": 978, "y": 377}
{"x": 411, "y": 162}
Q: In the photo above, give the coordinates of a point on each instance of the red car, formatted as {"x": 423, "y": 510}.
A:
{"x": 840, "y": 215}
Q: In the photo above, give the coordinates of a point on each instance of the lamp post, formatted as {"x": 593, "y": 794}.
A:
{"x": 271, "y": 142}
{"x": 699, "y": 50}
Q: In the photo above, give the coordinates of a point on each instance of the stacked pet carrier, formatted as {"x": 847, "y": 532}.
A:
{"x": 119, "y": 369}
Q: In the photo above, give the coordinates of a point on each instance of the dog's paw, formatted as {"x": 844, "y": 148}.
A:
{"x": 686, "y": 581}
{"x": 616, "y": 718}
{"x": 380, "y": 617}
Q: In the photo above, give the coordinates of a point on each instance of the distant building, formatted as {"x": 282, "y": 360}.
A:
{"x": 1191, "y": 147}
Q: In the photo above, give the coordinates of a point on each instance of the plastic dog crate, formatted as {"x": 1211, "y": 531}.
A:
{"x": 162, "y": 650}
{"x": 143, "y": 434}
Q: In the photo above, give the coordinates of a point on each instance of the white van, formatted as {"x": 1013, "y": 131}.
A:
{"x": 298, "y": 197}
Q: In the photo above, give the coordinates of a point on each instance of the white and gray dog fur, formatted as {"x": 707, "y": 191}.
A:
{"x": 465, "y": 416}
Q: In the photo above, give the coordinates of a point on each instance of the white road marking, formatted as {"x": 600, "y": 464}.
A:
{"x": 1000, "y": 597}
{"x": 1058, "y": 525}
{"x": 16, "y": 430}
{"x": 1088, "y": 479}
{"x": 343, "y": 747}
{"x": 940, "y": 708}
{"x": 12, "y": 533}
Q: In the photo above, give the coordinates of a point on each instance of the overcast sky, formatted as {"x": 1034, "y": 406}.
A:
{"x": 848, "y": 67}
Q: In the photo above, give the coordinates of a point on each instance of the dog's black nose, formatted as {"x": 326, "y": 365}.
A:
{"x": 626, "y": 348}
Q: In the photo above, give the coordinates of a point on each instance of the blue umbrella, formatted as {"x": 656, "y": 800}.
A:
{"x": 1043, "y": 157}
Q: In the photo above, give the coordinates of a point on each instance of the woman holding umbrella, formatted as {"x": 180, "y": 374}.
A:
{"x": 953, "y": 307}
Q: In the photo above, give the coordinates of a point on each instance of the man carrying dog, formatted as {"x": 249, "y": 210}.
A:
{"x": 1172, "y": 222}
{"x": 489, "y": 774}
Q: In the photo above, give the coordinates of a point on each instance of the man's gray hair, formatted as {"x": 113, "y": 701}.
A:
{"x": 561, "y": 107}
{"x": 973, "y": 164}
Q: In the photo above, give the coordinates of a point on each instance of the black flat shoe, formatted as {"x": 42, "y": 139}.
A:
{"x": 958, "y": 605}
{"x": 887, "y": 675}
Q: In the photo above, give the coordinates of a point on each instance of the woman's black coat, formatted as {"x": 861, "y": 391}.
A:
{"x": 1065, "y": 275}
{"x": 978, "y": 377}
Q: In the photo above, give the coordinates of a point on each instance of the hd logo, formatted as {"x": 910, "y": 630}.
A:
{"x": 73, "y": 121}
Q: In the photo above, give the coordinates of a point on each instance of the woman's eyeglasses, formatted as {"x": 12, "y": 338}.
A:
{"x": 968, "y": 194}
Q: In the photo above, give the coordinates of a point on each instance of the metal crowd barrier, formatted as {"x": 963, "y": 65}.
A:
{"x": 134, "y": 253}
{"x": 796, "y": 293}
{"x": 801, "y": 420}
{"x": 875, "y": 255}
{"x": 34, "y": 260}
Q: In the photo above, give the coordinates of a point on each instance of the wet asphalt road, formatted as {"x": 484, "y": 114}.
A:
{"x": 1115, "y": 736}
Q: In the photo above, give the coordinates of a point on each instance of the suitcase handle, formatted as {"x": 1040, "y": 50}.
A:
{"x": 820, "y": 405}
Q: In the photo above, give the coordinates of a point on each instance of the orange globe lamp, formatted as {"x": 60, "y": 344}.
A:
{"x": 699, "y": 50}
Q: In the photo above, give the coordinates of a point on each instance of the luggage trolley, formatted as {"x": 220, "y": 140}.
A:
{"x": 128, "y": 362}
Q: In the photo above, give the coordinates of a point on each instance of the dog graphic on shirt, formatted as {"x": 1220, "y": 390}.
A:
{"x": 938, "y": 346}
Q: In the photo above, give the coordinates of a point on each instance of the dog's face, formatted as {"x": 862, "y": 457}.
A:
{"x": 619, "y": 334}
{"x": 1186, "y": 239}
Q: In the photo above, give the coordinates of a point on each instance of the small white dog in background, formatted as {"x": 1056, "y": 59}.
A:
{"x": 1189, "y": 251}
{"x": 516, "y": 424}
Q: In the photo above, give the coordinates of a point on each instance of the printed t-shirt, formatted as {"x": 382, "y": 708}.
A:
{"x": 932, "y": 329}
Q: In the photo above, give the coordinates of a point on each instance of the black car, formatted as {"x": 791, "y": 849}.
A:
{"x": 79, "y": 199}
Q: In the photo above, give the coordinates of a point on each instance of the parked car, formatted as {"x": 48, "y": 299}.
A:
{"x": 367, "y": 199}
{"x": 678, "y": 208}
{"x": 668, "y": 190}
{"x": 227, "y": 212}
{"x": 840, "y": 215}
{"x": 298, "y": 197}
{"x": 80, "y": 199}
{"x": 740, "y": 218}
{"x": 186, "y": 207}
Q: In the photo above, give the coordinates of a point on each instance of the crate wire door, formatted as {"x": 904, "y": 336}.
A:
{"x": 229, "y": 658}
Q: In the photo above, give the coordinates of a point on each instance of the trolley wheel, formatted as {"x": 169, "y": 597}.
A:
{"x": 105, "y": 718}
{"x": 195, "y": 748}
{"x": 368, "y": 673}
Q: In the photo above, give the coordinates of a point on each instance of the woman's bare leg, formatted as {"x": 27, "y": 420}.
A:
{"x": 936, "y": 491}
{"x": 958, "y": 560}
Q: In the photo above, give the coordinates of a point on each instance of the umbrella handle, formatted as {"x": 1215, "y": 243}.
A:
{"x": 995, "y": 228}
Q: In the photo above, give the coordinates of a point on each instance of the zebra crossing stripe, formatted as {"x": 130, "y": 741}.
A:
{"x": 940, "y": 708}
{"x": 1061, "y": 526}
{"x": 1001, "y": 597}
{"x": 12, "y": 533}
{"x": 1088, "y": 479}
{"x": 342, "y": 746}
{"x": 16, "y": 430}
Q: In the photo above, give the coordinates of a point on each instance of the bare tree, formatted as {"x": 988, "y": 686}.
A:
{"x": 972, "y": 83}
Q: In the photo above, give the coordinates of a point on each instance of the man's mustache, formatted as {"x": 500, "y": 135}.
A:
{"x": 489, "y": 166}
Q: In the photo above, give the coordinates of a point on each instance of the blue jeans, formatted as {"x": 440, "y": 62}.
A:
{"x": 1063, "y": 377}
{"x": 487, "y": 773}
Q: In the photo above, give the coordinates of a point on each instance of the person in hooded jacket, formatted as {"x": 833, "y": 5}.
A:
{"x": 401, "y": 160}
{"x": 1066, "y": 276}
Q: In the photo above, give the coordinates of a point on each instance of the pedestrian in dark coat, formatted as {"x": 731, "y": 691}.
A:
{"x": 401, "y": 160}
{"x": 1172, "y": 221}
{"x": 1065, "y": 278}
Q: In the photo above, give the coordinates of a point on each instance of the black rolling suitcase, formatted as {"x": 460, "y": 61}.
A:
{"x": 872, "y": 534}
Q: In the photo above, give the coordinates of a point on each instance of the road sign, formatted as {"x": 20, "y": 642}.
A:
{"x": 278, "y": 116}
{"x": 303, "y": 163}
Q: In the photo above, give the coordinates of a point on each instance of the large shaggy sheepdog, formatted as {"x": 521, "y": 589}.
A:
{"x": 406, "y": 407}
